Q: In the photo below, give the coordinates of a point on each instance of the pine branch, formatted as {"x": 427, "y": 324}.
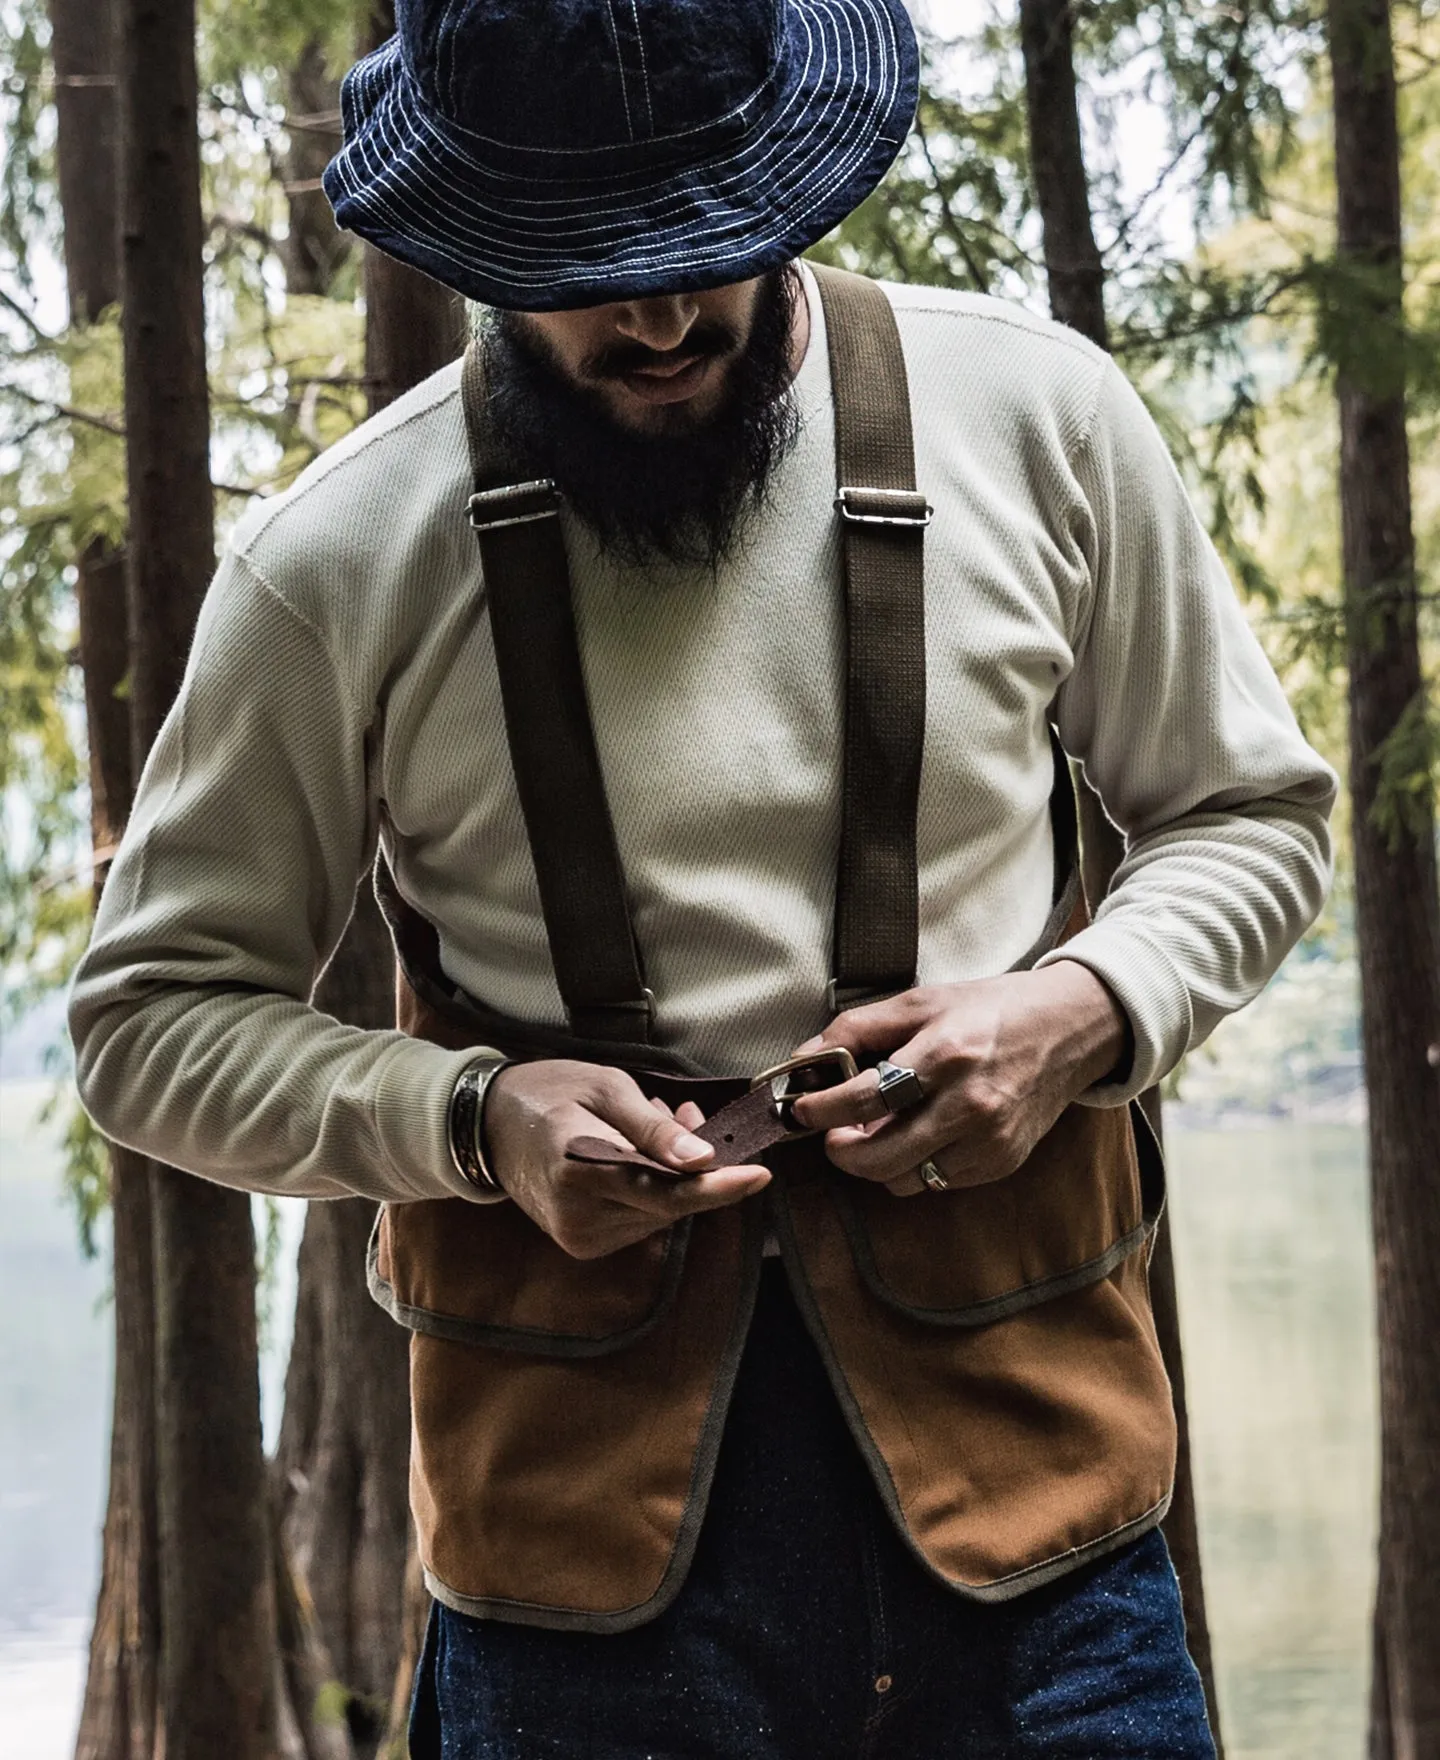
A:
{"x": 26, "y": 318}
{"x": 953, "y": 230}
{"x": 1202, "y": 126}
{"x": 65, "y": 411}
{"x": 106, "y": 424}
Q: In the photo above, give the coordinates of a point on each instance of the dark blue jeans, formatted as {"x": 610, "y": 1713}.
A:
{"x": 807, "y": 1631}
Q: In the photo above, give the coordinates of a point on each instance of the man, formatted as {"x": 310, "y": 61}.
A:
{"x": 730, "y": 1439}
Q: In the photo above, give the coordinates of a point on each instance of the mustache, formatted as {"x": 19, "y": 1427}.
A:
{"x": 711, "y": 340}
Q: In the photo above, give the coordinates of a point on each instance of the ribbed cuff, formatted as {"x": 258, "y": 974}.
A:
{"x": 1146, "y": 983}
{"x": 412, "y": 1120}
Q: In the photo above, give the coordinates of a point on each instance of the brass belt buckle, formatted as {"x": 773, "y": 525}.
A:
{"x": 806, "y": 1074}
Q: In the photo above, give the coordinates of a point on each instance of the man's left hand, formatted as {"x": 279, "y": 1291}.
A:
{"x": 999, "y": 1060}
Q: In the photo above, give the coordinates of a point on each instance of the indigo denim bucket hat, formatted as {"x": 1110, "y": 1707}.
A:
{"x": 546, "y": 154}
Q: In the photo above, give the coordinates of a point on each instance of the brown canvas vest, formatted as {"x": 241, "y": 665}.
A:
{"x": 991, "y": 1347}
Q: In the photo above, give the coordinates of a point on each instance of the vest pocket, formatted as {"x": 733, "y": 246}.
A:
{"x": 486, "y": 1274}
{"x": 1088, "y": 1196}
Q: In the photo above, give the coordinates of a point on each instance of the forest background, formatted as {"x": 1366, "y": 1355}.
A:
{"x": 1202, "y": 250}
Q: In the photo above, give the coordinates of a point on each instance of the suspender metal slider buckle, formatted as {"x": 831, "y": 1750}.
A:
{"x": 514, "y": 504}
{"x": 805, "y": 1075}
{"x": 884, "y": 507}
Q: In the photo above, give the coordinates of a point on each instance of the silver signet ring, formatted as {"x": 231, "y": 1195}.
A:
{"x": 933, "y": 1177}
{"x": 900, "y": 1088}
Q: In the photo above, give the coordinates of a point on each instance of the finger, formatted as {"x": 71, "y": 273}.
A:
{"x": 865, "y": 1138}
{"x": 689, "y": 1115}
{"x": 909, "y": 1185}
{"x": 875, "y": 1026}
{"x": 854, "y": 1102}
{"x": 659, "y": 1197}
{"x": 661, "y": 1107}
{"x": 892, "y": 1153}
{"x": 617, "y": 1101}
{"x": 884, "y": 1152}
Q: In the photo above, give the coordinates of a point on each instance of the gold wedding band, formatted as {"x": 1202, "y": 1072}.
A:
{"x": 933, "y": 1177}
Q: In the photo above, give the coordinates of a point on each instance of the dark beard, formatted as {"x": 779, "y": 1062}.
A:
{"x": 677, "y": 495}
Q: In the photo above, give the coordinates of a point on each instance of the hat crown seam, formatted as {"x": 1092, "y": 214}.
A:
{"x": 738, "y": 114}
{"x": 620, "y": 68}
{"x": 436, "y": 78}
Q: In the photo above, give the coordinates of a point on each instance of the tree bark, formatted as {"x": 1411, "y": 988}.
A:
{"x": 343, "y": 1453}
{"x": 118, "y": 1717}
{"x": 413, "y": 326}
{"x": 1397, "y": 903}
{"x": 218, "y": 1657}
{"x": 118, "y": 1713}
{"x": 1076, "y": 277}
{"x": 1073, "y": 267}
{"x": 315, "y": 247}
{"x": 82, "y": 49}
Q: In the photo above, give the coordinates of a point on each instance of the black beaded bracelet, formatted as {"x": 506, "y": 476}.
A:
{"x": 467, "y": 1122}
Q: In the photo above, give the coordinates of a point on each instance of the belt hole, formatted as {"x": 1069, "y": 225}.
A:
{"x": 883, "y": 1683}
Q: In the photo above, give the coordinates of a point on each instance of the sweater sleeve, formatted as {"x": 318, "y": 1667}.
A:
{"x": 1183, "y": 728}
{"x": 195, "y": 1040}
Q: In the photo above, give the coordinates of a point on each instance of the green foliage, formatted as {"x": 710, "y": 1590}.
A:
{"x": 1408, "y": 762}
{"x": 267, "y": 1271}
{"x": 954, "y": 207}
{"x": 86, "y": 1168}
{"x": 27, "y": 190}
{"x": 286, "y": 383}
{"x": 1226, "y": 72}
{"x": 62, "y": 488}
{"x": 255, "y": 41}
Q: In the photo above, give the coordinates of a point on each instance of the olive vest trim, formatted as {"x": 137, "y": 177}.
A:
{"x": 1040, "y": 1289}
{"x": 533, "y": 1613}
{"x": 533, "y": 1340}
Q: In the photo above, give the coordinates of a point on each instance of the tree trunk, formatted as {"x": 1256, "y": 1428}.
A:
{"x": 118, "y": 1713}
{"x": 1076, "y": 278}
{"x": 82, "y": 48}
{"x": 118, "y": 1718}
{"x": 315, "y": 247}
{"x": 1073, "y": 268}
{"x": 343, "y": 1453}
{"x": 218, "y": 1655}
{"x": 1397, "y": 909}
{"x": 344, "y": 1440}
{"x": 413, "y": 326}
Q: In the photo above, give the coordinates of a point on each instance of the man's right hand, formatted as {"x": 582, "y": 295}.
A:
{"x": 534, "y": 1109}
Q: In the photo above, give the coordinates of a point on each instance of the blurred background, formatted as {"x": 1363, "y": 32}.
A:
{"x": 1206, "y": 157}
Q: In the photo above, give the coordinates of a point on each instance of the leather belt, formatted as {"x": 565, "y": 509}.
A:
{"x": 741, "y": 1131}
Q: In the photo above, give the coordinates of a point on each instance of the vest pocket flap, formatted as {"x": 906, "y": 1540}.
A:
{"x": 1087, "y": 1197}
{"x": 486, "y": 1274}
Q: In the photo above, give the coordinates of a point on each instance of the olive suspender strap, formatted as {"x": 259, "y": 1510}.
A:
{"x": 552, "y": 744}
{"x": 877, "y": 897}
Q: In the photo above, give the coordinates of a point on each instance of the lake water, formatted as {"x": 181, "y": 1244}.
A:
{"x": 1272, "y": 1242}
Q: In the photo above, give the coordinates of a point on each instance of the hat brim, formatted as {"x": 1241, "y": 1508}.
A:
{"x": 449, "y": 202}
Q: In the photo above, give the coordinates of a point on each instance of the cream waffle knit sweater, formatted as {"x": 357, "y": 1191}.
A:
{"x": 342, "y": 689}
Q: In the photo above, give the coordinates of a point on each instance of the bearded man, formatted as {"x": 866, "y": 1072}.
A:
{"x": 762, "y": 1183}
